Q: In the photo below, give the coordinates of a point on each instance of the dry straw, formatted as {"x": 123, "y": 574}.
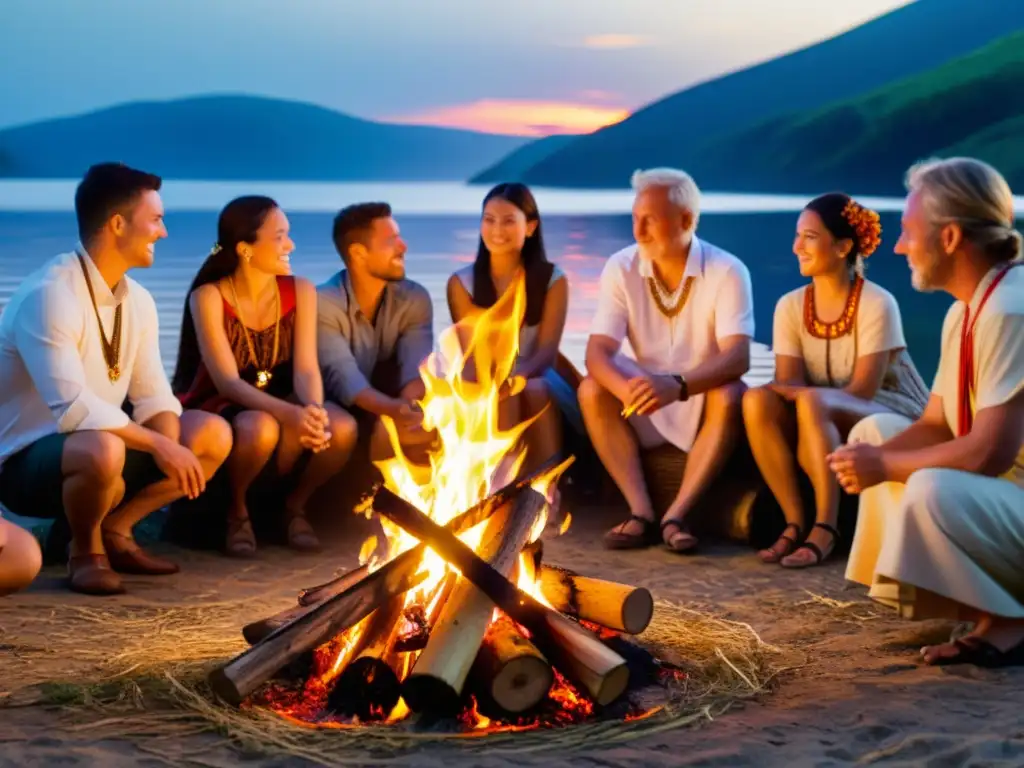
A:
{"x": 145, "y": 681}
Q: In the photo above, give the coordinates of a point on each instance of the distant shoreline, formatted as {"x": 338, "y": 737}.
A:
{"x": 407, "y": 198}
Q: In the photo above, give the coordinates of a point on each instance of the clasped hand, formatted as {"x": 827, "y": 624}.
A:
{"x": 647, "y": 394}
{"x": 313, "y": 425}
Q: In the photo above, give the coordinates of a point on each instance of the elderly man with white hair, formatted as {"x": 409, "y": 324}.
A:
{"x": 686, "y": 308}
{"x": 940, "y": 532}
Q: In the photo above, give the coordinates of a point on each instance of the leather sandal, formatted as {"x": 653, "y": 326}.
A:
{"x": 617, "y": 538}
{"x": 789, "y": 544}
{"x": 92, "y": 575}
{"x": 689, "y": 543}
{"x": 301, "y": 536}
{"x": 240, "y": 540}
{"x": 814, "y": 548}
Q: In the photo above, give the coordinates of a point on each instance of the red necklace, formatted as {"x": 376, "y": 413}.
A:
{"x": 840, "y": 327}
{"x": 965, "y": 390}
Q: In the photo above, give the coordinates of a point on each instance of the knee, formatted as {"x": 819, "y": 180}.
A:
{"x": 877, "y": 428}
{"x": 759, "y": 405}
{"x": 725, "y": 403}
{"x": 343, "y": 427}
{"x": 100, "y": 456}
{"x": 590, "y": 393}
{"x": 211, "y": 438}
{"x": 256, "y": 431}
{"x": 20, "y": 559}
{"x": 811, "y": 406}
{"x": 926, "y": 487}
{"x": 537, "y": 394}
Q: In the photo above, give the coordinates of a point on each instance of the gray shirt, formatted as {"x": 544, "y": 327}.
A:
{"x": 350, "y": 345}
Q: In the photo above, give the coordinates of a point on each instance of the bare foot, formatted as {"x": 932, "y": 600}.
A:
{"x": 634, "y": 533}
{"x": 784, "y": 545}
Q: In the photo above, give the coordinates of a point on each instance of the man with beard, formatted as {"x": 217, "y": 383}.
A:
{"x": 79, "y": 338}
{"x": 940, "y": 532}
{"x": 687, "y": 310}
{"x": 375, "y": 328}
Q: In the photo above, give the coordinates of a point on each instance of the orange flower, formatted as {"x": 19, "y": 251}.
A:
{"x": 866, "y": 224}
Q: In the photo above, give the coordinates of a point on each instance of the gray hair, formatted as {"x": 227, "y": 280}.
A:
{"x": 682, "y": 189}
{"x": 974, "y": 195}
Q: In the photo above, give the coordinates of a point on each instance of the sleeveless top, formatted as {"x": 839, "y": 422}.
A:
{"x": 203, "y": 394}
{"x": 528, "y": 334}
{"x": 829, "y": 362}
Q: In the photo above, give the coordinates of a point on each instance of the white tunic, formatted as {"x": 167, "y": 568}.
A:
{"x": 720, "y": 305}
{"x": 53, "y": 376}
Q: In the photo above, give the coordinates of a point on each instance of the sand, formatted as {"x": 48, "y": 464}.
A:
{"x": 859, "y": 695}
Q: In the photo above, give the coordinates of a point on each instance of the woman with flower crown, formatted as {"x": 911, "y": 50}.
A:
{"x": 248, "y": 353}
{"x": 840, "y": 355}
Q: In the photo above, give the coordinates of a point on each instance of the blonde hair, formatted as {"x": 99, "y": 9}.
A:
{"x": 682, "y": 189}
{"x": 974, "y": 195}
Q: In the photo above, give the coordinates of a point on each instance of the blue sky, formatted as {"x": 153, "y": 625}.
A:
{"x": 567, "y": 64}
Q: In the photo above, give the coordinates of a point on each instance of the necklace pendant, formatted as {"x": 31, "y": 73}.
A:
{"x": 263, "y": 379}
{"x": 114, "y": 373}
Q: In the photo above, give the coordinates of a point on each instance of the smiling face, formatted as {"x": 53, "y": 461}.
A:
{"x": 659, "y": 225}
{"x": 922, "y": 244}
{"x": 271, "y": 251}
{"x": 136, "y": 231}
{"x": 817, "y": 251}
{"x": 504, "y": 228}
{"x": 382, "y": 250}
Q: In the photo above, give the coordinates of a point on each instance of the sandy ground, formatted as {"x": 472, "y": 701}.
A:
{"x": 861, "y": 698}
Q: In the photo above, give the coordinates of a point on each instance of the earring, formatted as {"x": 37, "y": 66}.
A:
{"x": 247, "y": 256}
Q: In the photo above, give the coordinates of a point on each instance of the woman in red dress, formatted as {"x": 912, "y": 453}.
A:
{"x": 248, "y": 353}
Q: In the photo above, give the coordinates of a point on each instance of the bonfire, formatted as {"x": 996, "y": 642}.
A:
{"x": 454, "y": 616}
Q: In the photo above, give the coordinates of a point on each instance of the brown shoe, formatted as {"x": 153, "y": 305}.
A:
{"x": 301, "y": 536}
{"x": 92, "y": 575}
{"x": 126, "y": 556}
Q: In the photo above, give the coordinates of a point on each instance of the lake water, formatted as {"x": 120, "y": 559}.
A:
{"x": 440, "y": 224}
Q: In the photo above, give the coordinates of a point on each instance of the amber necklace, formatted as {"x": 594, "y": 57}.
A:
{"x": 840, "y": 327}
{"x": 112, "y": 347}
{"x": 662, "y": 297}
{"x": 263, "y": 373}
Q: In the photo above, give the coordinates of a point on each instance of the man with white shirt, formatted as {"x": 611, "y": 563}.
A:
{"x": 77, "y": 339}
{"x": 940, "y": 529}
{"x": 686, "y": 308}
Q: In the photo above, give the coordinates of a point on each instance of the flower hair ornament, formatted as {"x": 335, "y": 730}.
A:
{"x": 866, "y": 224}
{"x": 215, "y": 250}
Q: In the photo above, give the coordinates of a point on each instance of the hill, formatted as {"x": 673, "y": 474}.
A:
{"x": 908, "y": 41}
{"x": 515, "y": 164}
{"x": 971, "y": 105}
{"x": 246, "y": 138}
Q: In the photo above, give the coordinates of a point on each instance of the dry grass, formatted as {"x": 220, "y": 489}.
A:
{"x": 145, "y": 680}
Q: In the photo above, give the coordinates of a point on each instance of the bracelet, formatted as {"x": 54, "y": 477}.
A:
{"x": 684, "y": 389}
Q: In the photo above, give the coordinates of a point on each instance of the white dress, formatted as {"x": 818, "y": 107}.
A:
{"x": 830, "y": 362}
{"x": 949, "y": 538}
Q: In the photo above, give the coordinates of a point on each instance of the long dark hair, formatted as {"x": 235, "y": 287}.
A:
{"x": 239, "y": 222}
{"x": 842, "y": 216}
{"x": 533, "y": 256}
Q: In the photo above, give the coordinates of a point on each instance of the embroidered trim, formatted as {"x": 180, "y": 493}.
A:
{"x": 841, "y": 327}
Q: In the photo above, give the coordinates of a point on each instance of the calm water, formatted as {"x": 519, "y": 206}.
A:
{"x": 579, "y": 231}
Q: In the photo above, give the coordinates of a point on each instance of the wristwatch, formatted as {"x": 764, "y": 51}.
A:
{"x": 684, "y": 389}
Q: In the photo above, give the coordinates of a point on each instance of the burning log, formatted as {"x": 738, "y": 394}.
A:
{"x": 511, "y": 674}
{"x": 325, "y": 620}
{"x": 440, "y": 673}
{"x": 369, "y": 685}
{"x": 422, "y": 620}
{"x": 621, "y": 607}
{"x": 575, "y": 651}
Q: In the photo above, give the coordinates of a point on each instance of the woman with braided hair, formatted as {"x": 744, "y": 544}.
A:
{"x": 840, "y": 356}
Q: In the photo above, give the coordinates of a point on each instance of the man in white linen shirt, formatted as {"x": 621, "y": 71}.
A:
{"x": 940, "y": 529}
{"x": 687, "y": 310}
{"x": 77, "y": 339}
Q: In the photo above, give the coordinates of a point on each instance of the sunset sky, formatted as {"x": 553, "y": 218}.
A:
{"x": 532, "y": 67}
